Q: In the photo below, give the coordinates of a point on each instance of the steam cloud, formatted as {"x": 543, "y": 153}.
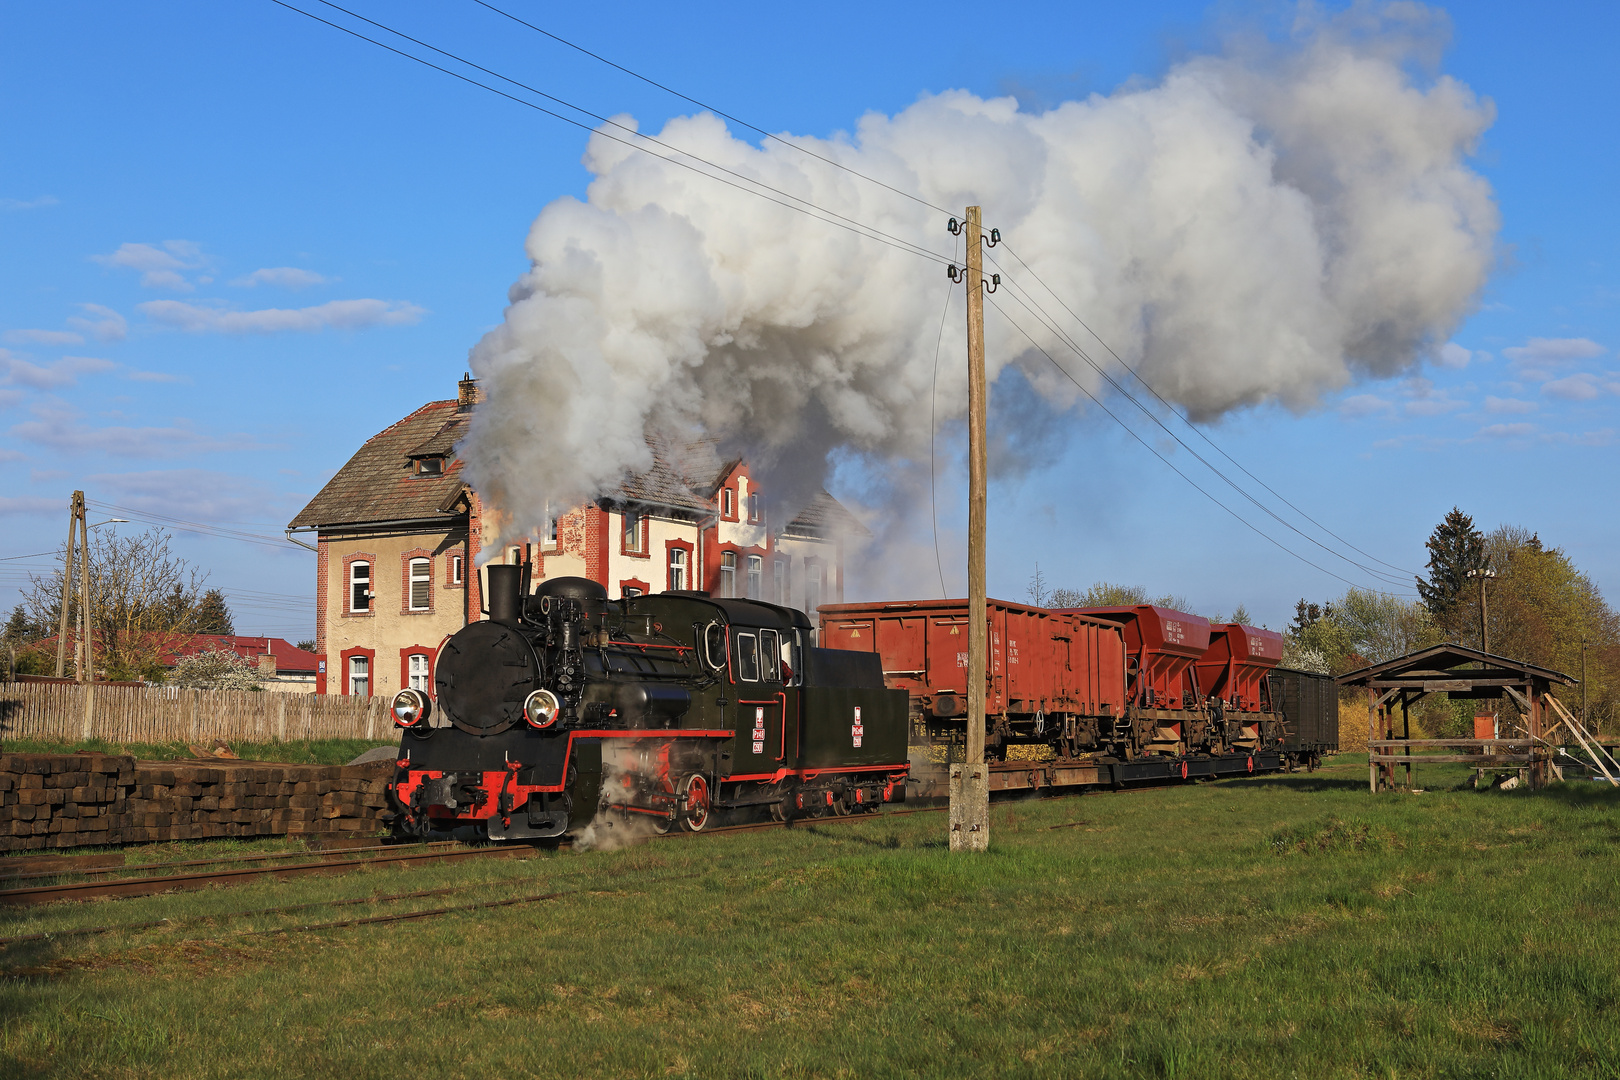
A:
{"x": 1261, "y": 226}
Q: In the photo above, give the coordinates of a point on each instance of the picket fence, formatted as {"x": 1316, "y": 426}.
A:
{"x": 161, "y": 714}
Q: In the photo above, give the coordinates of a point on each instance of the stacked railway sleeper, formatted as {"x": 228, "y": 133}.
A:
{"x": 72, "y": 800}
{"x": 1105, "y": 696}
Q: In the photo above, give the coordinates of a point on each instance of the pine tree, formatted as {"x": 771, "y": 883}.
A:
{"x": 212, "y": 616}
{"x": 1455, "y": 547}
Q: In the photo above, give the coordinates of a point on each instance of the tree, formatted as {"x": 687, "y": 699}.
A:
{"x": 1065, "y": 598}
{"x": 211, "y": 615}
{"x": 307, "y": 645}
{"x": 1038, "y": 594}
{"x": 1241, "y": 615}
{"x": 215, "y": 669}
{"x": 1455, "y": 547}
{"x": 142, "y": 596}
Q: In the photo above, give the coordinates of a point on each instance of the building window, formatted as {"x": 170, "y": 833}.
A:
{"x": 747, "y": 658}
{"x": 627, "y": 591}
{"x": 728, "y": 573}
{"x": 421, "y": 584}
{"x": 756, "y": 571}
{"x": 418, "y": 671}
{"x": 430, "y": 466}
{"x": 635, "y": 534}
{"x": 780, "y": 593}
{"x": 514, "y": 556}
{"x": 551, "y": 528}
{"x": 812, "y": 588}
{"x": 458, "y": 568}
{"x": 753, "y": 508}
{"x": 728, "y": 503}
{"x": 360, "y": 676}
{"x": 360, "y": 586}
{"x": 677, "y": 568}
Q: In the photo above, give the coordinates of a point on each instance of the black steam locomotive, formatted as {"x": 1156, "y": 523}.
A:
{"x": 673, "y": 708}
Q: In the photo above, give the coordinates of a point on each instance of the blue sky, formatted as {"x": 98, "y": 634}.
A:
{"x": 234, "y": 244}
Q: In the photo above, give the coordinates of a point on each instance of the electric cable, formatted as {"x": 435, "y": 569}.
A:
{"x": 718, "y": 112}
{"x": 933, "y": 433}
{"x": 1033, "y": 306}
{"x": 1151, "y": 449}
{"x": 846, "y": 223}
{"x": 1201, "y": 433}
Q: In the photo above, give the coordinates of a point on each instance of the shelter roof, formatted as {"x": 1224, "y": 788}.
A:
{"x": 1444, "y": 663}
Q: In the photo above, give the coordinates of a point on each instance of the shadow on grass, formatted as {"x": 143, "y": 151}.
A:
{"x": 889, "y": 842}
{"x": 1298, "y": 782}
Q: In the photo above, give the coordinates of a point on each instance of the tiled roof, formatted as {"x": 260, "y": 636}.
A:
{"x": 379, "y": 483}
{"x": 824, "y": 517}
{"x": 290, "y": 659}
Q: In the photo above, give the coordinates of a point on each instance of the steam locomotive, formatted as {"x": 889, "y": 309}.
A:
{"x": 670, "y": 709}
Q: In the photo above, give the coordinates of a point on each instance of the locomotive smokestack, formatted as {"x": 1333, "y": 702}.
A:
{"x": 505, "y": 585}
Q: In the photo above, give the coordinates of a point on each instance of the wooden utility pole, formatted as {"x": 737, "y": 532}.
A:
{"x": 970, "y": 785}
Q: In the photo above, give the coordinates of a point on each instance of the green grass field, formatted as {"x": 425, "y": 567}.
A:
{"x": 1275, "y": 927}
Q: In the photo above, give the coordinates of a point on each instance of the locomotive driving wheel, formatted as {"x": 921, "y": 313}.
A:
{"x": 695, "y": 803}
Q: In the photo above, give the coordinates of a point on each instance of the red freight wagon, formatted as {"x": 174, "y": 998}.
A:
{"x": 1053, "y": 677}
{"x": 1235, "y": 667}
{"x": 1162, "y": 646}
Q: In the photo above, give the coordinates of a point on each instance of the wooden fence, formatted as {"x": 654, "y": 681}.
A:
{"x": 160, "y": 714}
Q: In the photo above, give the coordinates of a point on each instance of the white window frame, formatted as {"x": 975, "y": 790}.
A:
{"x": 750, "y": 642}
{"x": 458, "y": 570}
{"x": 635, "y": 534}
{"x": 812, "y": 589}
{"x": 356, "y": 581}
{"x": 514, "y": 555}
{"x": 420, "y": 572}
{"x": 677, "y": 568}
{"x": 728, "y": 574}
{"x": 359, "y": 674}
{"x": 755, "y": 581}
{"x": 728, "y": 502}
{"x": 783, "y": 594}
{"x": 753, "y": 508}
{"x": 770, "y": 655}
{"x": 417, "y": 672}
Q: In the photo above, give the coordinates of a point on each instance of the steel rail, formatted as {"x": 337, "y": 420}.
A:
{"x": 85, "y": 890}
{"x": 336, "y": 853}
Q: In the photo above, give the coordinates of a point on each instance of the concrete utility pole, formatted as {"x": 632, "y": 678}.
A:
{"x": 1484, "y": 575}
{"x": 970, "y": 785}
{"x": 67, "y": 585}
{"x": 87, "y": 671}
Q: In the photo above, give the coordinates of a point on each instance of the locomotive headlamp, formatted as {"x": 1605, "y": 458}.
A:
{"x": 411, "y": 707}
{"x": 540, "y": 708}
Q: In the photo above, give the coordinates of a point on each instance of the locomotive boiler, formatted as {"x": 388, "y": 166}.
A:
{"x": 672, "y": 709}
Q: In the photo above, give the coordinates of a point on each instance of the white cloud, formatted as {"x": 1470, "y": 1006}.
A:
{"x": 64, "y": 372}
{"x": 335, "y": 314}
{"x": 153, "y": 376}
{"x": 1364, "y": 405}
{"x": 61, "y": 429}
{"x": 286, "y": 277}
{"x": 100, "y": 322}
{"x": 1508, "y": 431}
{"x": 159, "y": 267}
{"x": 29, "y": 204}
{"x": 29, "y": 504}
{"x": 196, "y": 494}
{"x": 1509, "y": 405}
{"x": 1552, "y": 352}
{"x": 1426, "y": 401}
{"x": 43, "y": 337}
{"x": 1453, "y": 355}
{"x": 1581, "y": 386}
{"x": 13, "y": 455}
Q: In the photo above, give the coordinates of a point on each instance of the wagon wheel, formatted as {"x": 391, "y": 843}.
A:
{"x": 840, "y": 807}
{"x": 695, "y": 803}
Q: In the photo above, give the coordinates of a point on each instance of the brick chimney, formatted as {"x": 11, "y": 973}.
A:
{"x": 267, "y": 664}
{"x": 466, "y": 392}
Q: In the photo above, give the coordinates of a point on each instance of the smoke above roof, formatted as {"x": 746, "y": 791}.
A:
{"x": 1261, "y": 226}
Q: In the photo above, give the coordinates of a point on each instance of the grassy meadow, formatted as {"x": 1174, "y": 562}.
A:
{"x": 1271, "y": 927}
{"x": 290, "y": 751}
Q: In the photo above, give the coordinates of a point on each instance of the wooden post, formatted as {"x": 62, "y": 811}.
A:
{"x": 67, "y": 586}
{"x": 88, "y": 673}
{"x": 1372, "y": 766}
{"x": 970, "y": 782}
{"x": 281, "y": 717}
{"x": 1406, "y": 733}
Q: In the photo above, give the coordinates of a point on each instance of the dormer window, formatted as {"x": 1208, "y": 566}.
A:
{"x": 430, "y": 466}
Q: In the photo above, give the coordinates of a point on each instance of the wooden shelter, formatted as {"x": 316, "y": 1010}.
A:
{"x": 1461, "y": 672}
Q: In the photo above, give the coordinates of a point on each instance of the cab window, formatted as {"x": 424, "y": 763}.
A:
{"x": 747, "y": 658}
{"x": 770, "y": 654}
{"x": 714, "y": 646}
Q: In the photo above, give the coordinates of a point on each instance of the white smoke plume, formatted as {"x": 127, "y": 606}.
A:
{"x": 1260, "y": 226}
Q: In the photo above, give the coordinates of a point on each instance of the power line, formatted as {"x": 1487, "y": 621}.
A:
{"x": 1200, "y": 432}
{"x": 718, "y": 112}
{"x": 1049, "y": 323}
{"x": 846, "y": 223}
{"x": 1151, "y": 449}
